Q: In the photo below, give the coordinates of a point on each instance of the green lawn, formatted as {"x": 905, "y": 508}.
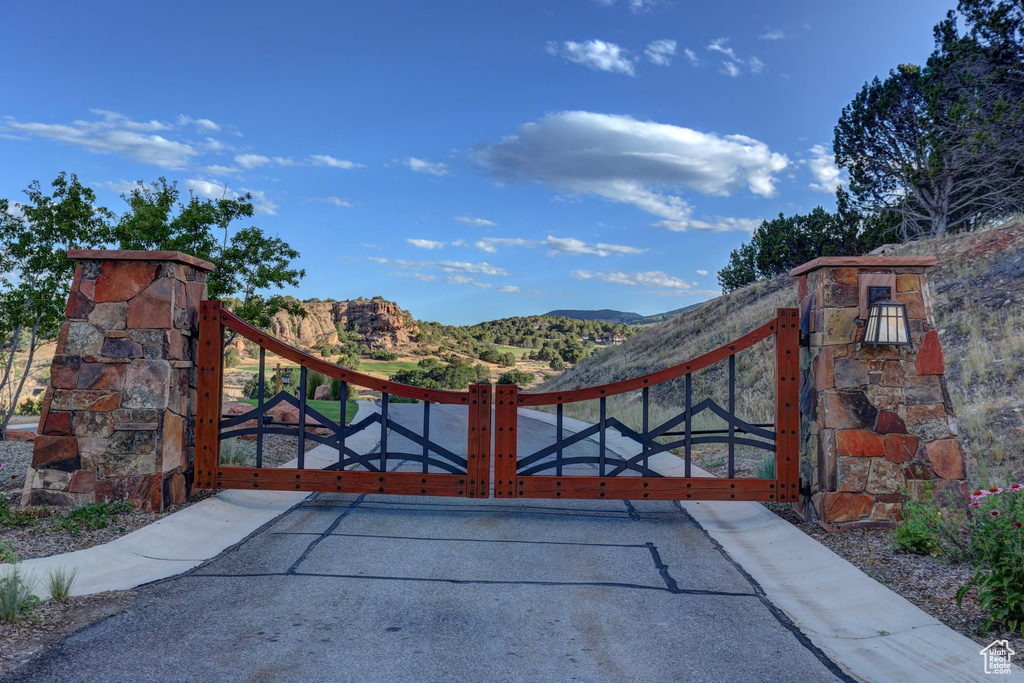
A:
{"x": 329, "y": 409}
{"x": 386, "y": 368}
{"x": 517, "y": 350}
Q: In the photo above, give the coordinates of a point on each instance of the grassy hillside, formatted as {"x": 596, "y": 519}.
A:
{"x": 978, "y": 297}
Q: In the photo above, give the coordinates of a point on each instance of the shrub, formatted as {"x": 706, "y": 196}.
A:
{"x": 313, "y": 380}
{"x": 232, "y": 359}
{"x": 30, "y": 406}
{"x": 766, "y": 468}
{"x": 16, "y": 598}
{"x": 918, "y": 533}
{"x": 91, "y": 516}
{"x": 523, "y": 379}
{"x": 995, "y": 527}
{"x": 60, "y": 581}
{"x": 383, "y": 354}
{"x": 252, "y": 387}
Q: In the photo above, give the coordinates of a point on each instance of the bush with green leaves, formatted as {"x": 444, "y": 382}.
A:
{"x": 30, "y": 406}
{"x": 60, "y": 581}
{"x": 252, "y": 387}
{"x": 523, "y": 379}
{"x": 91, "y": 516}
{"x": 919, "y": 531}
{"x": 995, "y": 524}
{"x": 313, "y": 380}
{"x": 16, "y": 598}
{"x": 986, "y": 532}
{"x": 383, "y": 354}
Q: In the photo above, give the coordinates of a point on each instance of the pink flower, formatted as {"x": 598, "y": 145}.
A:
{"x": 975, "y": 504}
{"x": 994, "y": 513}
{"x": 1018, "y": 525}
{"x": 1013, "y": 487}
{"x": 994, "y": 489}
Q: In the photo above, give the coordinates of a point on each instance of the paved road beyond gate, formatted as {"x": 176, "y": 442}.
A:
{"x": 230, "y": 449}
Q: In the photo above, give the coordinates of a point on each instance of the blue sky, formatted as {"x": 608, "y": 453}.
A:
{"x": 469, "y": 160}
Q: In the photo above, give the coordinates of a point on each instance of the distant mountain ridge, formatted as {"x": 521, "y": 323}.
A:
{"x": 613, "y": 316}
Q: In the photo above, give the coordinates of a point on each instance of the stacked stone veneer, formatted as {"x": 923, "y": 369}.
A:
{"x": 118, "y": 420}
{"x": 877, "y": 424}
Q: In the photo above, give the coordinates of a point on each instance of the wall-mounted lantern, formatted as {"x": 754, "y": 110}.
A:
{"x": 887, "y": 319}
{"x": 286, "y": 378}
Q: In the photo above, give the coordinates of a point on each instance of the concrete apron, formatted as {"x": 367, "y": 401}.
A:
{"x": 868, "y": 630}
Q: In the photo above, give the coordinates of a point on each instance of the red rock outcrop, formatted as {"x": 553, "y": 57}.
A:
{"x": 382, "y": 324}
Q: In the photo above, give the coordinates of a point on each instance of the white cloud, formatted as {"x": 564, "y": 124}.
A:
{"x": 121, "y": 186}
{"x": 480, "y": 222}
{"x": 718, "y": 45}
{"x": 452, "y": 267}
{"x": 730, "y": 69}
{"x": 822, "y": 166}
{"x": 216, "y": 169}
{"x": 660, "y": 52}
{"x": 210, "y": 189}
{"x": 574, "y": 247}
{"x": 424, "y": 166}
{"x": 249, "y": 161}
{"x": 214, "y": 190}
{"x": 375, "y": 259}
{"x": 285, "y": 161}
{"x": 204, "y": 125}
{"x": 491, "y": 244}
{"x": 511, "y": 289}
{"x": 425, "y": 244}
{"x": 113, "y": 134}
{"x": 701, "y": 272}
{"x": 651, "y": 278}
{"x": 773, "y": 34}
{"x": 715, "y": 224}
{"x": 641, "y": 6}
{"x": 331, "y": 162}
{"x": 595, "y": 54}
{"x": 692, "y": 56}
{"x": 261, "y": 203}
{"x": 336, "y": 201}
{"x": 557, "y": 246}
{"x": 634, "y": 162}
{"x": 756, "y": 65}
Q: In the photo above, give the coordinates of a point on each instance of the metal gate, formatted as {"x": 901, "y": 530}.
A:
{"x": 441, "y": 471}
{"x": 546, "y": 471}
{"x": 549, "y": 470}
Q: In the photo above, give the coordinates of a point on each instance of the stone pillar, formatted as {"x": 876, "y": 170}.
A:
{"x": 877, "y": 424}
{"x": 118, "y": 420}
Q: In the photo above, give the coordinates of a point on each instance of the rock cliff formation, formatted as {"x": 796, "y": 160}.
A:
{"x": 381, "y": 324}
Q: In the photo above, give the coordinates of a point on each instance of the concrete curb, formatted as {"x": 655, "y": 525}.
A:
{"x": 187, "y": 538}
{"x": 868, "y": 630}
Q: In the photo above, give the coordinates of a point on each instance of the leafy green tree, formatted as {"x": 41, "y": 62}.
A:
{"x": 248, "y": 261}
{"x": 36, "y": 274}
{"x": 741, "y": 270}
{"x": 523, "y": 379}
{"x": 940, "y": 145}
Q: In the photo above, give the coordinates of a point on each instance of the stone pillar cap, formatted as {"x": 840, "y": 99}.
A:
{"x": 865, "y": 262}
{"x": 139, "y": 255}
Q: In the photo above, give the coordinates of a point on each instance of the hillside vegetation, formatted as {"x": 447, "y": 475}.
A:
{"x": 978, "y": 297}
